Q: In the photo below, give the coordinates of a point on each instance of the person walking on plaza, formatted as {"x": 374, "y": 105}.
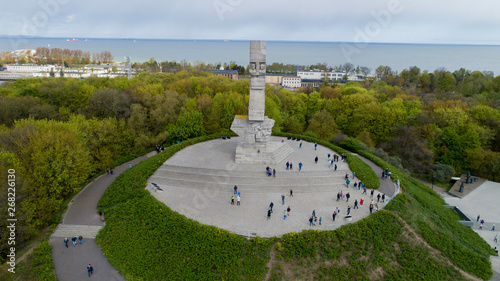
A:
{"x": 300, "y": 145}
{"x": 315, "y": 146}
{"x": 66, "y": 242}
{"x": 364, "y": 190}
{"x": 347, "y": 182}
{"x": 378, "y": 197}
{"x": 314, "y": 213}
{"x": 311, "y": 218}
{"x": 319, "y": 220}
{"x": 478, "y": 218}
{"x": 495, "y": 239}
{"x": 268, "y": 213}
{"x": 291, "y": 166}
{"x": 316, "y": 160}
{"x": 80, "y": 239}
{"x": 291, "y": 192}
{"x": 282, "y": 199}
{"x": 271, "y": 206}
{"x": 356, "y": 204}
{"x": 90, "y": 269}
{"x": 335, "y": 167}
{"x": 300, "y": 166}
{"x": 284, "y": 215}
{"x": 232, "y": 200}
{"x": 74, "y": 241}
{"x": 287, "y": 165}
{"x": 361, "y": 201}
{"x": 371, "y": 208}
{"x": 383, "y": 198}
{"x": 348, "y": 210}
{"x": 235, "y": 189}
{"x": 238, "y": 199}
{"x": 288, "y": 210}
{"x": 347, "y": 196}
{"x": 493, "y": 227}
{"x": 334, "y": 215}
{"x": 274, "y": 172}
{"x": 371, "y": 193}
{"x": 338, "y": 196}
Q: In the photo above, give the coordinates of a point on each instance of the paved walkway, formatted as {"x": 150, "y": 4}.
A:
{"x": 81, "y": 218}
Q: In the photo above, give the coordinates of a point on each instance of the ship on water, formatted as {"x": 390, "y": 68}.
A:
{"x": 72, "y": 40}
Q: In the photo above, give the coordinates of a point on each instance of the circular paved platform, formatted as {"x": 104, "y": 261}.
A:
{"x": 198, "y": 182}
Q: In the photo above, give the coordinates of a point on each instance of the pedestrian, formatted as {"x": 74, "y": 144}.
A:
{"x": 478, "y": 218}
{"x": 341, "y": 195}
{"x": 287, "y": 165}
{"x": 328, "y": 156}
{"x": 74, "y": 241}
{"x": 315, "y": 146}
{"x": 493, "y": 227}
{"x": 378, "y": 197}
{"x": 316, "y": 160}
{"x": 90, "y": 269}
{"x": 80, "y": 239}
{"x": 311, "y": 220}
{"x": 291, "y": 167}
{"x": 364, "y": 190}
{"x": 66, "y": 242}
{"x": 482, "y": 221}
{"x": 288, "y": 210}
{"x": 111, "y": 171}
{"x": 347, "y": 182}
{"x": 356, "y": 204}
{"x": 371, "y": 208}
{"x": 282, "y": 199}
{"x": 319, "y": 220}
{"x": 300, "y": 145}
{"x": 353, "y": 175}
{"x": 383, "y": 175}
{"x": 355, "y": 185}
{"x": 235, "y": 189}
{"x": 496, "y": 238}
{"x": 268, "y": 213}
{"x": 107, "y": 171}
{"x": 232, "y": 200}
{"x": 361, "y": 201}
{"x": 314, "y": 213}
{"x": 481, "y": 226}
{"x": 346, "y": 176}
{"x": 337, "y": 210}
{"x": 315, "y": 220}
{"x": 238, "y": 199}
{"x": 130, "y": 165}
{"x": 271, "y": 206}
{"x": 371, "y": 193}
{"x": 347, "y": 196}
{"x": 300, "y": 166}
{"x": 338, "y": 196}
{"x": 284, "y": 215}
{"x": 348, "y": 209}
{"x": 274, "y": 172}
{"x": 291, "y": 192}
{"x": 359, "y": 185}
{"x": 333, "y": 215}
{"x": 239, "y": 193}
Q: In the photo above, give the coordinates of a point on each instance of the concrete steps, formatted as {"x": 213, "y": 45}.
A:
{"x": 70, "y": 230}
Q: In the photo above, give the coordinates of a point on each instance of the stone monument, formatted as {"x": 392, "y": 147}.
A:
{"x": 256, "y": 128}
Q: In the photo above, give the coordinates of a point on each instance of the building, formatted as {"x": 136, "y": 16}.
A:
{"x": 29, "y": 68}
{"x": 290, "y": 81}
{"x": 274, "y": 79}
{"x": 233, "y": 74}
{"x": 320, "y": 75}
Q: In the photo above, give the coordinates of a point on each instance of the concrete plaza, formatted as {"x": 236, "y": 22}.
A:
{"x": 199, "y": 180}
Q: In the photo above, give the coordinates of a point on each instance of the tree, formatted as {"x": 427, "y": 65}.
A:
{"x": 323, "y": 125}
{"x": 441, "y": 172}
{"x": 365, "y": 70}
{"x": 189, "y": 125}
{"x": 348, "y": 68}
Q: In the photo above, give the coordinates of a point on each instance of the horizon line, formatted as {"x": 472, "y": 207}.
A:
{"x": 247, "y": 40}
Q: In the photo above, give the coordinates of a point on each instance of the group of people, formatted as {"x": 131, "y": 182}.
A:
{"x": 238, "y": 198}
{"x": 159, "y": 148}
{"x": 386, "y": 174}
{"x": 74, "y": 240}
{"x": 109, "y": 171}
{"x": 270, "y": 171}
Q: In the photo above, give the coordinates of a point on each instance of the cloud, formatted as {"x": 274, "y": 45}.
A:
{"x": 70, "y": 18}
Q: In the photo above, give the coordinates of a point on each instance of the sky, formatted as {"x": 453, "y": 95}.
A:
{"x": 364, "y": 21}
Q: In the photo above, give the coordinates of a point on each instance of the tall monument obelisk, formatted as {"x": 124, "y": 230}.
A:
{"x": 256, "y": 128}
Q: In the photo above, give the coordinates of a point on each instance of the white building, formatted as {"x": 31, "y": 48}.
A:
{"x": 289, "y": 81}
{"x": 29, "y": 68}
{"x": 320, "y": 75}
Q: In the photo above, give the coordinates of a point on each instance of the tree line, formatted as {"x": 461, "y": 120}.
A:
{"x": 57, "y": 133}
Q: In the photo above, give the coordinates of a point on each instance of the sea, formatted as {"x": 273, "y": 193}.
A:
{"x": 398, "y": 56}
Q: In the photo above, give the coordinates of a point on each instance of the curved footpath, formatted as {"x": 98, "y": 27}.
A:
{"x": 81, "y": 218}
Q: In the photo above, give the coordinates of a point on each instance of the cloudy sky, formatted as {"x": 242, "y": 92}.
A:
{"x": 390, "y": 21}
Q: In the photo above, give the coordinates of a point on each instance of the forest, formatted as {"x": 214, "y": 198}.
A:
{"x": 57, "y": 133}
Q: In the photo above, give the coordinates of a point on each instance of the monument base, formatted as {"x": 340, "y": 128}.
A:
{"x": 271, "y": 153}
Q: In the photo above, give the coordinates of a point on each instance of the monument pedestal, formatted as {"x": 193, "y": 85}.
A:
{"x": 270, "y": 153}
